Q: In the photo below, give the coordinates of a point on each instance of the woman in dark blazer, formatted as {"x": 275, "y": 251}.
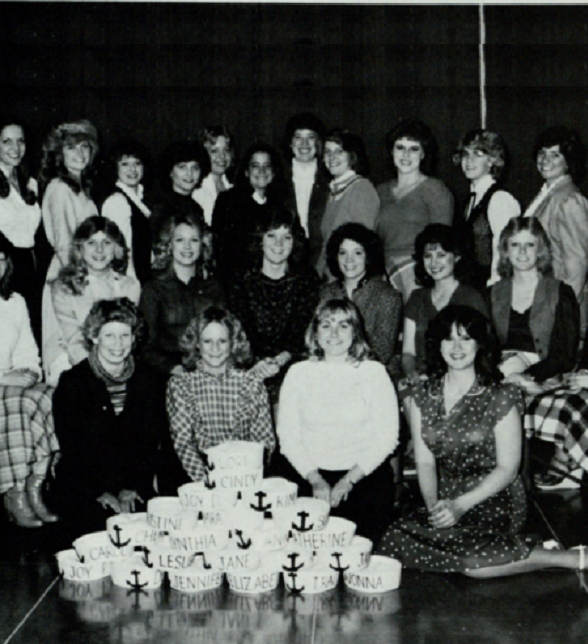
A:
{"x": 109, "y": 413}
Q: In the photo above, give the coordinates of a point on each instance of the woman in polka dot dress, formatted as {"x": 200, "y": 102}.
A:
{"x": 467, "y": 434}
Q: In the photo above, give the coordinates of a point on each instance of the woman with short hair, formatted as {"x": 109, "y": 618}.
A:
{"x": 412, "y": 200}
{"x": 109, "y": 415}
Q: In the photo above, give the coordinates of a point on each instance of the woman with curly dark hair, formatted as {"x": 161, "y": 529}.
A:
{"x": 276, "y": 298}
{"x": 258, "y": 188}
{"x": 356, "y": 259}
{"x": 180, "y": 288}
{"x": 466, "y": 428}
{"x": 20, "y": 213}
{"x": 67, "y": 169}
{"x": 96, "y": 271}
{"x": 560, "y": 156}
{"x": 109, "y": 415}
{"x": 125, "y": 204}
{"x": 411, "y": 200}
{"x": 442, "y": 269}
{"x": 353, "y": 196}
{"x": 215, "y": 400}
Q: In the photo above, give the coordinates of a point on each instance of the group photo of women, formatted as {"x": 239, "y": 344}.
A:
{"x": 268, "y": 291}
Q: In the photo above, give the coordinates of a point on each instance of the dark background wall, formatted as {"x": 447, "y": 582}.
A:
{"x": 161, "y": 71}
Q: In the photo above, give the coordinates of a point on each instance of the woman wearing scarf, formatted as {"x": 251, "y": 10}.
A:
{"x": 109, "y": 413}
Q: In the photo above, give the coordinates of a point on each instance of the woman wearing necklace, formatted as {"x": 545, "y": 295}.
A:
{"x": 410, "y": 201}
{"x": 481, "y": 155}
{"x": 353, "y": 197}
{"x": 466, "y": 428}
{"x": 275, "y": 300}
{"x": 441, "y": 268}
{"x": 109, "y": 415}
{"x": 562, "y": 209}
{"x": 126, "y": 206}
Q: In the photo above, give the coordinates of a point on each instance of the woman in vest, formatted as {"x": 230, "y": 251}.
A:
{"x": 126, "y": 207}
{"x": 481, "y": 155}
{"x": 535, "y": 315}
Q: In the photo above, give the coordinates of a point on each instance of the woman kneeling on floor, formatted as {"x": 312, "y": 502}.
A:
{"x": 466, "y": 428}
{"x": 109, "y": 417}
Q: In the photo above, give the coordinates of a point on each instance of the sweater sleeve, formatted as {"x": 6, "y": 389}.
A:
{"x": 59, "y": 218}
{"x": 362, "y": 205}
{"x": 69, "y": 324}
{"x": 25, "y": 354}
{"x": 381, "y": 433}
{"x": 573, "y": 232}
{"x": 290, "y": 426}
{"x": 183, "y": 423}
{"x": 117, "y": 209}
{"x": 440, "y": 204}
{"x": 563, "y": 343}
{"x": 152, "y": 354}
{"x": 384, "y": 325}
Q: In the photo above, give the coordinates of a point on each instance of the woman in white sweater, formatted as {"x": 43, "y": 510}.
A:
{"x": 338, "y": 421}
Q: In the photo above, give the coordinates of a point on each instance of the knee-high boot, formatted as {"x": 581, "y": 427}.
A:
{"x": 18, "y": 508}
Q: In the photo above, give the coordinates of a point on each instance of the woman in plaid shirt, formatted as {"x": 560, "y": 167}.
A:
{"x": 214, "y": 401}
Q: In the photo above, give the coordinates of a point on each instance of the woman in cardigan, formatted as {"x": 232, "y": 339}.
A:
{"x": 180, "y": 288}
{"x": 338, "y": 421}
{"x": 219, "y": 144}
{"x": 353, "y": 197}
{"x": 109, "y": 415}
{"x": 535, "y": 315}
{"x": 126, "y": 207}
{"x": 274, "y": 301}
{"x": 20, "y": 214}
{"x": 356, "y": 259}
{"x": 96, "y": 271}
{"x": 306, "y": 180}
{"x": 258, "y": 188}
{"x": 562, "y": 209}
{"x": 481, "y": 155}
{"x": 27, "y": 437}
{"x": 411, "y": 200}
{"x": 442, "y": 268}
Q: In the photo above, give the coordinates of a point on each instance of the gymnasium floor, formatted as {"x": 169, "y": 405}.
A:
{"x": 539, "y": 608}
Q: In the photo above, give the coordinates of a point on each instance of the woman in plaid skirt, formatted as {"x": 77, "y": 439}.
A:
{"x": 27, "y": 437}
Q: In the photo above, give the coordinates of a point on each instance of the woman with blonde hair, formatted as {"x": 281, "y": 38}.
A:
{"x": 96, "y": 271}
{"x": 338, "y": 421}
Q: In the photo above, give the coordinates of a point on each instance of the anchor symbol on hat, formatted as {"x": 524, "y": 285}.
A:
{"x": 292, "y": 588}
{"x": 303, "y": 527}
{"x": 293, "y": 567}
{"x": 81, "y": 558}
{"x": 207, "y": 566}
{"x": 260, "y": 507}
{"x": 146, "y": 560}
{"x": 207, "y": 483}
{"x": 242, "y": 543}
{"x": 338, "y": 567}
{"x": 136, "y": 585}
{"x": 118, "y": 543}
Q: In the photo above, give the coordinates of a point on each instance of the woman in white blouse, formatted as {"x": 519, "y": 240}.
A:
{"x": 481, "y": 155}
{"x": 220, "y": 146}
{"x": 126, "y": 206}
{"x": 20, "y": 214}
